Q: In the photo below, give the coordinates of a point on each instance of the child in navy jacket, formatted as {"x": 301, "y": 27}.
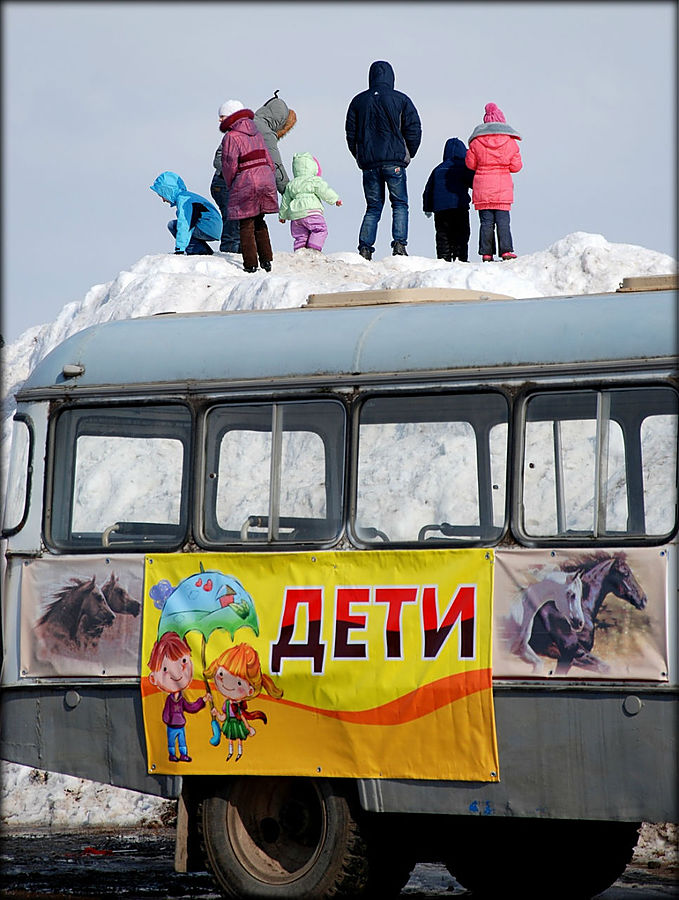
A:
{"x": 446, "y": 194}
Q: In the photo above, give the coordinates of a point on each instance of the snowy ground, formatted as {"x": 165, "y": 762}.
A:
{"x": 578, "y": 263}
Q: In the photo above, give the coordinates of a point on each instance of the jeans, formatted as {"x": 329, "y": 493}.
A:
{"x": 374, "y": 181}
{"x": 176, "y": 736}
{"x": 491, "y": 219}
{"x": 198, "y": 245}
{"x": 230, "y": 242}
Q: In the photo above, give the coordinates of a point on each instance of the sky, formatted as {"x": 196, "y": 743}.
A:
{"x": 99, "y": 98}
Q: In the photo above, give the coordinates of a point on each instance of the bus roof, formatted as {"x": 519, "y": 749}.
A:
{"x": 241, "y": 347}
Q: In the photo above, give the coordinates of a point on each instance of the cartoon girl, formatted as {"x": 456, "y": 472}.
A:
{"x": 238, "y": 676}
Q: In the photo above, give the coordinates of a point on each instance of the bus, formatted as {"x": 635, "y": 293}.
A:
{"x": 386, "y": 578}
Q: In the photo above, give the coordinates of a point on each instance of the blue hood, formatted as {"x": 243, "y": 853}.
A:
{"x": 454, "y": 149}
{"x": 169, "y": 186}
{"x": 381, "y": 73}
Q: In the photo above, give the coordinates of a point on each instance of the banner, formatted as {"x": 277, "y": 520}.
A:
{"x": 357, "y": 665}
{"x": 581, "y": 614}
{"x": 80, "y": 616}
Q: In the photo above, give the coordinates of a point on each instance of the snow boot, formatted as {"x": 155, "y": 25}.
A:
{"x": 509, "y": 255}
{"x": 399, "y": 249}
{"x": 486, "y": 258}
{"x": 366, "y": 253}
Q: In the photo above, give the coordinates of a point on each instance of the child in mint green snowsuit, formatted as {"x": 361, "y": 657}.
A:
{"x": 302, "y": 203}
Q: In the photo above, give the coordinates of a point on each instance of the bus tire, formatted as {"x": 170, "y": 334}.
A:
{"x": 391, "y": 857}
{"x": 525, "y": 854}
{"x": 282, "y": 837}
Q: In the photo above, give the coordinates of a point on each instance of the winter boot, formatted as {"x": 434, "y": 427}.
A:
{"x": 486, "y": 258}
{"x": 267, "y": 266}
{"x": 399, "y": 249}
{"x": 509, "y": 255}
{"x": 366, "y": 253}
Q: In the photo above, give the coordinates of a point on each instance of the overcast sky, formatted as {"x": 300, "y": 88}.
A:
{"x": 99, "y": 98}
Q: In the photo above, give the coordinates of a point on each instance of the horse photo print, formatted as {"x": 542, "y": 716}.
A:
{"x": 580, "y": 614}
{"x": 81, "y": 617}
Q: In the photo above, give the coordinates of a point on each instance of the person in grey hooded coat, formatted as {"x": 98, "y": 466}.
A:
{"x": 274, "y": 119}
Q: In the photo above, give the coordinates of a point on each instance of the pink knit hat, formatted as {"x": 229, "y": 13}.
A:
{"x": 493, "y": 113}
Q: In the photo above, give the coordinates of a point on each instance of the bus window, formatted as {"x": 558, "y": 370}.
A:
{"x": 592, "y": 464}
{"x": 274, "y": 472}
{"x": 17, "y": 493}
{"x": 431, "y": 468}
{"x": 659, "y": 472}
{"x": 120, "y": 478}
{"x": 498, "y": 471}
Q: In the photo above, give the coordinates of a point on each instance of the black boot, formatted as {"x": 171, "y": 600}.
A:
{"x": 366, "y": 253}
{"x": 399, "y": 249}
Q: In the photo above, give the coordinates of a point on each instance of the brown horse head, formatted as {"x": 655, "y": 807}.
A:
{"x": 80, "y": 611}
{"x": 612, "y": 575}
{"x": 118, "y": 598}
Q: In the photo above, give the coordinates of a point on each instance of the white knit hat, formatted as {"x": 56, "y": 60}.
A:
{"x": 230, "y": 107}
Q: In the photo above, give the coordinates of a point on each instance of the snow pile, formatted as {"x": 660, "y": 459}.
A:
{"x": 579, "y": 263}
{"x": 32, "y": 797}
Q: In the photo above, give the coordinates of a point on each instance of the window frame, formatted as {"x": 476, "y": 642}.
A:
{"x": 335, "y": 493}
{"x": 433, "y": 542}
{"x": 131, "y": 543}
{"x": 10, "y": 531}
{"x": 517, "y": 517}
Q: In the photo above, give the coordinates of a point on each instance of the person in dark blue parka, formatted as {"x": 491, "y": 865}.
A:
{"x": 383, "y": 133}
{"x": 446, "y": 194}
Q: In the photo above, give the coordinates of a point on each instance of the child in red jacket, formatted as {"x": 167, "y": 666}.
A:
{"x": 493, "y": 155}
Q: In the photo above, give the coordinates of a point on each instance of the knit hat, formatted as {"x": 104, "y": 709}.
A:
{"x": 493, "y": 113}
{"x": 230, "y": 107}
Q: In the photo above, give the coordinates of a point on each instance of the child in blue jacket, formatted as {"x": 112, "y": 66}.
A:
{"x": 197, "y": 222}
{"x": 446, "y": 194}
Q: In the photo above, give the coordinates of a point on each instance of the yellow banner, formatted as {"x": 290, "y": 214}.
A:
{"x": 362, "y": 665}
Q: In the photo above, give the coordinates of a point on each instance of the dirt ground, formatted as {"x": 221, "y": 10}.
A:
{"x": 87, "y": 863}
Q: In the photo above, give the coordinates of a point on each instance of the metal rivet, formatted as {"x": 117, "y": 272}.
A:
{"x": 632, "y": 705}
{"x": 72, "y": 699}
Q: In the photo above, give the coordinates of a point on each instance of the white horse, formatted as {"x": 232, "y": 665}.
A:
{"x": 564, "y": 589}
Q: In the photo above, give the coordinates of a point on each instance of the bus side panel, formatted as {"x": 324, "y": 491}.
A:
{"x": 92, "y": 732}
{"x": 571, "y": 754}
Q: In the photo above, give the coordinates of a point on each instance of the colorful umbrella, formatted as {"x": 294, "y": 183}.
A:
{"x": 204, "y": 602}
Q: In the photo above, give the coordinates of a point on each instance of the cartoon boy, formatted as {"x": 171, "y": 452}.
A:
{"x": 172, "y": 672}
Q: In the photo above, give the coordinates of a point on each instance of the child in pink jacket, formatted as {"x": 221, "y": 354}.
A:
{"x": 493, "y": 155}
{"x": 249, "y": 175}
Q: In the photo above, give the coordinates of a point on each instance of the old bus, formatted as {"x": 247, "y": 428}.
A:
{"x": 387, "y": 578}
